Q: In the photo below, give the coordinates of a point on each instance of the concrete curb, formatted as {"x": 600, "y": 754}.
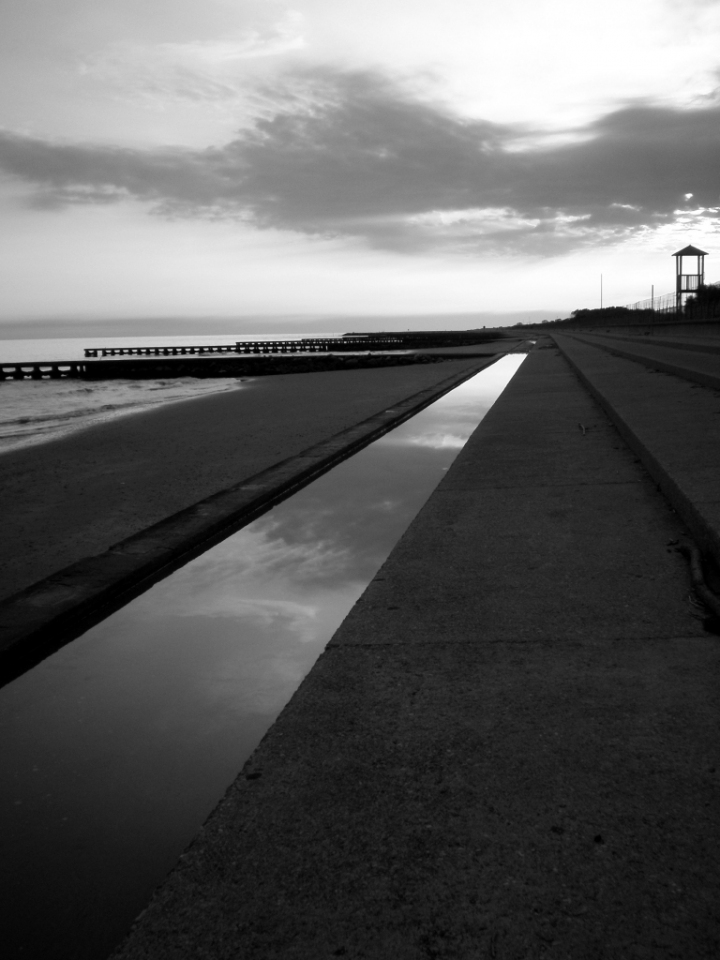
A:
{"x": 44, "y": 617}
{"x": 704, "y": 532}
{"x": 687, "y": 373}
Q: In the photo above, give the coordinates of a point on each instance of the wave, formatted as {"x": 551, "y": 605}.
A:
{"x": 82, "y": 412}
{"x": 37, "y": 411}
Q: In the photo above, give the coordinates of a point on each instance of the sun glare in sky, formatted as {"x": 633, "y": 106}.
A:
{"x": 259, "y": 159}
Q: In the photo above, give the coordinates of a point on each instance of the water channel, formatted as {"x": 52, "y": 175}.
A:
{"x": 117, "y": 747}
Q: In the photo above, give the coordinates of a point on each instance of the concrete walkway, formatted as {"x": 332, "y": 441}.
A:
{"x": 672, "y": 425}
{"x": 699, "y": 367}
{"x": 694, "y": 343}
{"x": 509, "y": 749}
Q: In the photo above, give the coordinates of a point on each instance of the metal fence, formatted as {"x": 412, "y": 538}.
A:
{"x": 665, "y": 303}
{"x": 705, "y": 304}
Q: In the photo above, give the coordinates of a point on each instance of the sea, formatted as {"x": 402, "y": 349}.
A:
{"x": 35, "y": 411}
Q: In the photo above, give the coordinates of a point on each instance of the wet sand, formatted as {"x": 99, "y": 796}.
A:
{"x": 76, "y": 496}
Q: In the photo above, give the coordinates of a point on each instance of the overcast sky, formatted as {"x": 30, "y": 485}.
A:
{"x": 251, "y": 158}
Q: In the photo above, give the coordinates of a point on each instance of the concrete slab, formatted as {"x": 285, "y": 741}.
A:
{"x": 566, "y": 561}
{"x": 473, "y": 801}
{"x": 548, "y": 432}
{"x": 699, "y": 367}
{"x": 510, "y": 748}
{"x": 673, "y": 426}
{"x": 695, "y": 343}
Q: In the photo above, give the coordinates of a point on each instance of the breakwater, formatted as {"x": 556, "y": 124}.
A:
{"x": 257, "y": 357}
{"x": 228, "y": 365}
{"x": 349, "y": 343}
{"x": 53, "y": 370}
{"x": 306, "y": 345}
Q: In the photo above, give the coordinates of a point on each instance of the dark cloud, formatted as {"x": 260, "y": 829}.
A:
{"x": 353, "y": 155}
{"x": 66, "y": 174}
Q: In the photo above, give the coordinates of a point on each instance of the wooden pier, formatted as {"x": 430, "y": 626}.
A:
{"x": 305, "y": 345}
{"x": 181, "y": 351}
{"x": 55, "y": 370}
{"x": 229, "y": 359}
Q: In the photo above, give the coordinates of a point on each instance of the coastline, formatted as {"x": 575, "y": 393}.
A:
{"x": 38, "y": 411}
{"x": 76, "y": 496}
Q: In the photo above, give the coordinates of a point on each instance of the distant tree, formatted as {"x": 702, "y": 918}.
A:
{"x": 705, "y": 303}
{"x": 609, "y": 316}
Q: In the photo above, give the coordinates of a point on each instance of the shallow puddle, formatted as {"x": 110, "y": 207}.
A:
{"x": 117, "y": 747}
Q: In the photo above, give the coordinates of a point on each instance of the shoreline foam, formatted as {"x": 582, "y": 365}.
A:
{"x": 37, "y": 411}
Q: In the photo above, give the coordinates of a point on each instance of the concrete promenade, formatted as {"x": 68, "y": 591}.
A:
{"x": 683, "y": 359}
{"x": 671, "y": 422}
{"x": 510, "y": 749}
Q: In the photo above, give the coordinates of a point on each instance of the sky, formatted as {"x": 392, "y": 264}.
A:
{"x": 260, "y": 162}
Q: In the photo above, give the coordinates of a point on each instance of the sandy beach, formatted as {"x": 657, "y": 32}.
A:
{"x": 76, "y": 496}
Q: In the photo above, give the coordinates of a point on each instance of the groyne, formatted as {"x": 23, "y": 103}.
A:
{"x": 305, "y": 345}
{"x": 349, "y": 342}
{"x": 510, "y": 747}
{"x": 227, "y": 365}
{"x": 41, "y": 370}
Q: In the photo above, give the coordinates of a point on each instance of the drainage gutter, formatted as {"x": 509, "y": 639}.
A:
{"x": 44, "y": 617}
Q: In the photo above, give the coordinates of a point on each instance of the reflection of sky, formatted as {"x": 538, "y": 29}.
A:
{"x": 125, "y": 739}
{"x": 439, "y": 441}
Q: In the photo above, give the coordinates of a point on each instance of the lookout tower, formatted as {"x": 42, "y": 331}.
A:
{"x": 688, "y": 283}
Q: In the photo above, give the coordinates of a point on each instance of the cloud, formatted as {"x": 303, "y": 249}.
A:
{"x": 355, "y": 155}
{"x": 200, "y": 70}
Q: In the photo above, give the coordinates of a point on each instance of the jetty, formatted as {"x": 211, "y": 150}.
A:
{"x": 511, "y": 746}
{"x": 52, "y": 370}
{"x": 306, "y": 345}
{"x": 348, "y": 343}
{"x": 261, "y": 357}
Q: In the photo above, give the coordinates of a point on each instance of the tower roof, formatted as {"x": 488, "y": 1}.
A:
{"x": 690, "y": 251}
